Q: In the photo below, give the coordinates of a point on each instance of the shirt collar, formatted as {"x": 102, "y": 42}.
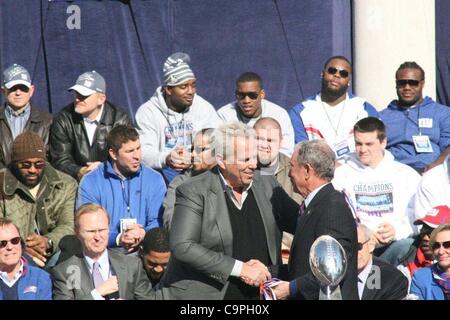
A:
{"x": 313, "y": 194}
{"x": 103, "y": 261}
{"x": 227, "y": 187}
{"x": 5, "y": 278}
{"x": 364, "y": 274}
{"x": 97, "y": 118}
{"x": 22, "y": 112}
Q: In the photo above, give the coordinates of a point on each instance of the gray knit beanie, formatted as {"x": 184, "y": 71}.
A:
{"x": 177, "y": 70}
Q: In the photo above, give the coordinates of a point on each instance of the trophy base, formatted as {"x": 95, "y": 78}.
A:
{"x": 330, "y": 293}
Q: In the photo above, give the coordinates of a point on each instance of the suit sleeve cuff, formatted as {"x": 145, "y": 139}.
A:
{"x": 237, "y": 268}
{"x": 293, "y": 288}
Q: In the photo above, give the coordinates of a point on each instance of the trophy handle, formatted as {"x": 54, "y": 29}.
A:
{"x": 330, "y": 293}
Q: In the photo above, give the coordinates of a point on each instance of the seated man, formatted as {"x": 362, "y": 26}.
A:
{"x": 18, "y": 279}
{"x": 203, "y": 159}
{"x": 433, "y": 189}
{"x": 420, "y": 254}
{"x": 433, "y": 282}
{"x": 36, "y": 197}
{"x": 380, "y": 190}
{"x": 17, "y": 115}
{"x": 377, "y": 280}
{"x": 78, "y": 134}
{"x": 131, "y": 193}
{"x": 251, "y": 105}
{"x": 98, "y": 273}
{"x": 418, "y": 127}
{"x": 155, "y": 253}
{"x": 170, "y": 119}
{"x": 332, "y": 113}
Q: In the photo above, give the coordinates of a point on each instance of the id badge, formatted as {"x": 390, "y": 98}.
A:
{"x": 125, "y": 223}
{"x": 341, "y": 148}
{"x": 422, "y": 144}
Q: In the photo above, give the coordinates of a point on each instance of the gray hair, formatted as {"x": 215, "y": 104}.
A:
{"x": 367, "y": 232}
{"x": 225, "y": 134}
{"x": 319, "y": 156}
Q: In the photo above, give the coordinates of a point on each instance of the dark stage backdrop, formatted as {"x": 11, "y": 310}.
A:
{"x": 285, "y": 41}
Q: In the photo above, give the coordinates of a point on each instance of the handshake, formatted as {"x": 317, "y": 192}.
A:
{"x": 254, "y": 273}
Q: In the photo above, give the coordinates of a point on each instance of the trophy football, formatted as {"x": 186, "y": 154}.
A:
{"x": 328, "y": 263}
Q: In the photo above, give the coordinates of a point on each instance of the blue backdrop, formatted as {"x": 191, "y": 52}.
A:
{"x": 285, "y": 41}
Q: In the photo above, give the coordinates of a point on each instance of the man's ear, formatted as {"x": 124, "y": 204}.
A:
{"x": 263, "y": 93}
{"x": 112, "y": 154}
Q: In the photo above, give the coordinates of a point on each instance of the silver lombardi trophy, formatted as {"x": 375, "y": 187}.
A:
{"x": 328, "y": 263}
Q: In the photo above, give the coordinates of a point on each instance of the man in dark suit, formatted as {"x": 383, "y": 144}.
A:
{"x": 223, "y": 232}
{"x": 377, "y": 279}
{"x": 325, "y": 213}
{"x": 98, "y": 273}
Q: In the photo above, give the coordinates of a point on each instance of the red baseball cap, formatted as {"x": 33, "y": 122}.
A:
{"x": 435, "y": 217}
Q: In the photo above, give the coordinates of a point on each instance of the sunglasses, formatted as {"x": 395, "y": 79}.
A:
{"x": 342, "y": 72}
{"x": 361, "y": 245}
{"x": 27, "y": 165}
{"x": 14, "y": 241}
{"x": 411, "y": 82}
{"x": 242, "y": 95}
{"x": 437, "y": 245}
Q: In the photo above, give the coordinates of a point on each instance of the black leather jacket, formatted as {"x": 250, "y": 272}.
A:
{"x": 39, "y": 122}
{"x": 69, "y": 143}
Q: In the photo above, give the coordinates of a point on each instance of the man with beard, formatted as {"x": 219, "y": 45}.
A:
{"x": 170, "y": 119}
{"x": 418, "y": 128}
{"x": 131, "y": 193}
{"x": 36, "y": 197}
{"x": 331, "y": 114}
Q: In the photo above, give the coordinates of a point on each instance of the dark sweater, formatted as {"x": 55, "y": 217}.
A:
{"x": 249, "y": 242}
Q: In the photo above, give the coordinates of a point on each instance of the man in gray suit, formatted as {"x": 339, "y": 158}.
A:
{"x": 98, "y": 273}
{"x": 223, "y": 232}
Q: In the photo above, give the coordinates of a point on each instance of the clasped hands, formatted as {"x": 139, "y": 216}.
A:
{"x": 132, "y": 236}
{"x": 254, "y": 273}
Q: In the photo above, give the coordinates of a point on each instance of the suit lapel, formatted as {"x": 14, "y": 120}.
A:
{"x": 218, "y": 206}
{"x": 309, "y": 212}
{"x": 119, "y": 268}
{"x": 87, "y": 283}
{"x": 265, "y": 207}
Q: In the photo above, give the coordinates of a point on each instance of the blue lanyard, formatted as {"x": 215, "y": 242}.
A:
{"x": 418, "y": 117}
{"x": 126, "y": 199}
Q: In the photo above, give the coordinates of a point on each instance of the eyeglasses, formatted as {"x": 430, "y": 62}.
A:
{"x": 242, "y": 95}
{"x": 437, "y": 245}
{"x": 342, "y": 72}
{"x": 361, "y": 245}
{"x": 14, "y": 241}
{"x": 411, "y": 82}
{"x": 27, "y": 165}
